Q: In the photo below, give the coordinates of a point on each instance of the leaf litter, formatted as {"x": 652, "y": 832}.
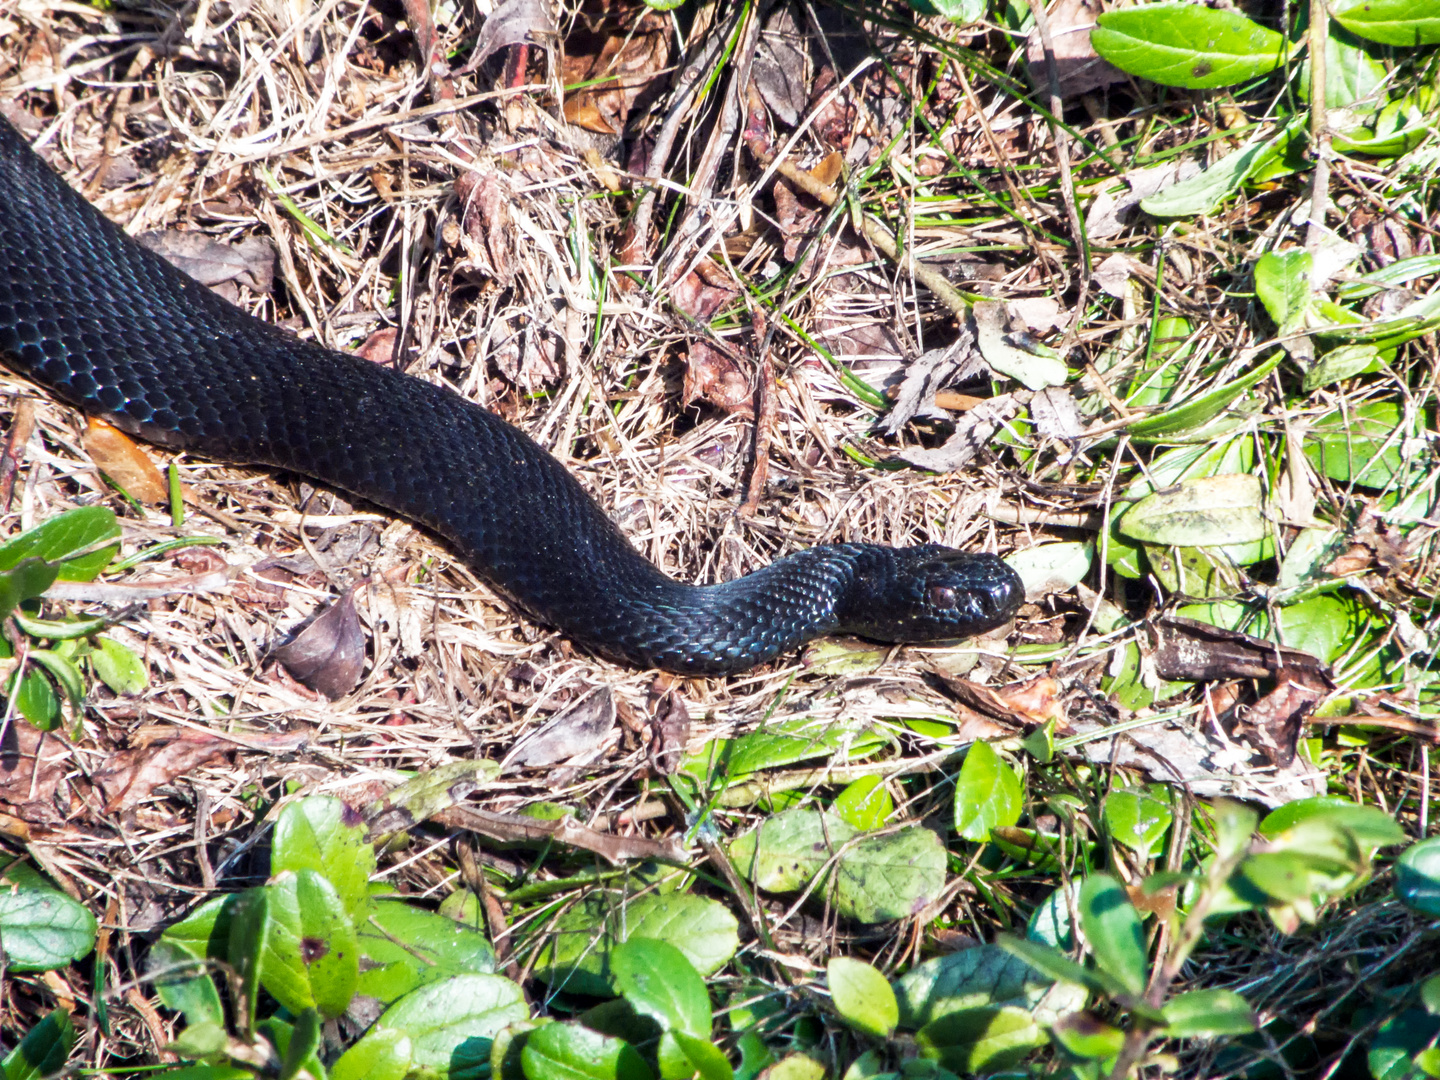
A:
{"x": 494, "y": 256}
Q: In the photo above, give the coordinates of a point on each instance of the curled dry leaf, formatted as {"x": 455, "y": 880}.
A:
{"x": 1274, "y": 722}
{"x": 488, "y": 230}
{"x": 779, "y": 68}
{"x": 1191, "y": 651}
{"x": 1019, "y": 705}
{"x": 925, "y": 375}
{"x": 514, "y": 22}
{"x": 328, "y": 655}
{"x": 580, "y": 731}
{"x": 1209, "y": 766}
{"x": 379, "y": 347}
{"x": 626, "y": 53}
{"x": 669, "y": 734}
{"x": 250, "y": 262}
{"x": 126, "y": 464}
{"x": 973, "y": 432}
{"x": 714, "y": 377}
{"x": 1056, "y": 413}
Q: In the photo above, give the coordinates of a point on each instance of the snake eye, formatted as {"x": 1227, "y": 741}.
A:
{"x": 942, "y": 596}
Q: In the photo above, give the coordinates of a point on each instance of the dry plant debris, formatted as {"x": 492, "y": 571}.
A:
{"x": 834, "y": 267}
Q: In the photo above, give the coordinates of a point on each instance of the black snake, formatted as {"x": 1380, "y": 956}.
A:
{"x": 115, "y": 330}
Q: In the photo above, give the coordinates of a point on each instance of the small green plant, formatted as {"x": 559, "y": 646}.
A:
{"x": 1287, "y": 866}
{"x": 43, "y": 655}
{"x": 259, "y": 976}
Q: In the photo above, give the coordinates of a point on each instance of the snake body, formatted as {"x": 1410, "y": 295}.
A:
{"x": 116, "y": 331}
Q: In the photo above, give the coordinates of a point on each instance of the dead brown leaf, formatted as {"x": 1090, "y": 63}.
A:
{"x": 576, "y": 734}
{"x": 329, "y": 654}
{"x": 488, "y": 231}
{"x": 117, "y": 456}
{"x": 1274, "y": 722}
{"x": 1192, "y": 651}
{"x": 1077, "y": 65}
{"x": 621, "y": 49}
{"x": 669, "y": 734}
{"x": 379, "y": 347}
{"x": 33, "y": 769}
{"x": 129, "y": 777}
{"x": 250, "y": 262}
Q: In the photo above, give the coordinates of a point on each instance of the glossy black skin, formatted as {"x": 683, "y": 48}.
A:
{"x": 118, "y": 332}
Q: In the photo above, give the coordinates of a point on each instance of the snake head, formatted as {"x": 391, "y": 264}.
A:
{"x": 930, "y": 593}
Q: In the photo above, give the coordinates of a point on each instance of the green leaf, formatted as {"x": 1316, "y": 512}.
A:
{"x": 797, "y": 1067}
{"x": 58, "y": 540}
{"x": 1430, "y": 994}
{"x": 1282, "y": 284}
{"x": 44, "y": 1049}
{"x": 572, "y": 1052}
{"x": 1201, "y": 194}
{"x": 968, "y": 979}
{"x": 1203, "y": 511}
{"x": 406, "y": 947}
{"x": 26, "y": 581}
{"x": 577, "y": 957}
{"x": 1187, "y": 45}
{"x": 988, "y": 794}
{"x": 63, "y": 672}
{"x": 40, "y": 927}
{"x": 460, "y": 1015}
{"x": 1403, "y": 1038}
{"x": 1208, "y": 1013}
{"x": 249, "y": 933}
{"x": 781, "y": 744}
{"x": 862, "y": 997}
{"x": 1290, "y": 875}
{"x": 1371, "y": 826}
{"x": 1360, "y": 445}
{"x": 183, "y": 983}
{"x": 1190, "y": 416}
{"x": 890, "y": 876}
{"x": 1340, "y": 364}
{"x": 300, "y": 1048}
{"x": 207, "y": 1040}
{"x": 119, "y": 668}
{"x": 865, "y": 804}
{"x": 1137, "y": 819}
{"x": 324, "y": 835}
{"x": 1112, "y": 927}
{"x": 382, "y": 1054}
{"x": 1390, "y": 22}
{"x": 980, "y": 1040}
{"x": 786, "y": 852}
{"x": 311, "y": 956}
{"x": 1088, "y": 1037}
{"x": 707, "y": 1058}
{"x": 1056, "y": 567}
{"x": 1058, "y": 966}
{"x": 1417, "y": 877}
{"x": 176, "y": 963}
{"x": 658, "y": 981}
{"x": 35, "y": 698}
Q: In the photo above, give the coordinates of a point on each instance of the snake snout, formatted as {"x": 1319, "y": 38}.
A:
{"x": 932, "y": 593}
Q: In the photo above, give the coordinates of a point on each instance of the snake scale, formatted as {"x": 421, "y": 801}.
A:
{"x": 117, "y": 332}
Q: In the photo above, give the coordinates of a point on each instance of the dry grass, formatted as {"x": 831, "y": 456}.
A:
{"x": 169, "y": 118}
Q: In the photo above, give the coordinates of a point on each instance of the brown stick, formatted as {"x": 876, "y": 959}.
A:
{"x": 764, "y": 417}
